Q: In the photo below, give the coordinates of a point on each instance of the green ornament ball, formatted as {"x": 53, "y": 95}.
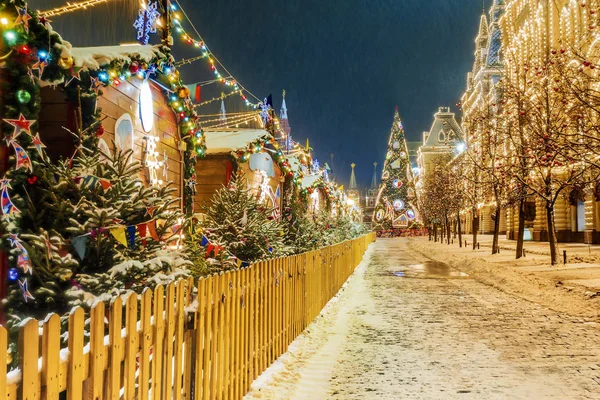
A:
{"x": 23, "y": 96}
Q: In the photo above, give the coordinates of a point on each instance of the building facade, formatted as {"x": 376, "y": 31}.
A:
{"x": 531, "y": 30}
{"x": 482, "y": 99}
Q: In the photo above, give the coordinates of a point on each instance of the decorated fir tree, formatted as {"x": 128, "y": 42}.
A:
{"x": 246, "y": 227}
{"x": 396, "y": 193}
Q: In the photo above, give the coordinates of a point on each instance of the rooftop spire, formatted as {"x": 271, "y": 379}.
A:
{"x": 223, "y": 113}
{"x": 353, "y": 184}
{"x": 374, "y": 179}
{"x": 283, "y": 111}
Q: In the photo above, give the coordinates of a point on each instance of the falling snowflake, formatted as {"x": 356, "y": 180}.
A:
{"x": 146, "y": 22}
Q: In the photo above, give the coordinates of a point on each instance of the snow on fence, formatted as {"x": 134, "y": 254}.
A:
{"x": 179, "y": 343}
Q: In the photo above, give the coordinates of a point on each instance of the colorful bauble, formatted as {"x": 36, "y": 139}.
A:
{"x": 65, "y": 62}
{"x": 23, "y": 96}
{"x": 134, "y": 68}
{"x": 32, "y": 180}
{"x": 397, "y": 183}
{"x": 100, "y": 131}
{"x": 410, "y": 214}
{"x": 379, "y": 215}
{"x": 13, "y": 274}
{"x": 398, "y": 205}
{"x": 396, "y": 145}
{"x": 402, "y": 154}
{"x": 183, "y": 92}
{"x": 385, "y": 175}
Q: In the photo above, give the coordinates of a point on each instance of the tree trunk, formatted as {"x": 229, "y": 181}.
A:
{"x": 447, "y": 230}
{"x": 521, "y": 229}
{"x": 435, "y": 232}
{"x": 495, "y": 245}
{"x": 552, "y": 234}
{"x": 475, "y": 229}
{"x": 459, "y": 230}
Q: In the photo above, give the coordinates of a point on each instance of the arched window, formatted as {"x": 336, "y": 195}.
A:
{"x": 441, "y": 136}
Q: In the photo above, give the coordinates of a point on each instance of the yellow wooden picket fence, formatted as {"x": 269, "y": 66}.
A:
{"x": 189, "y": 340}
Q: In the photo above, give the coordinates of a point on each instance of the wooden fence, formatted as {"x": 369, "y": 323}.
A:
{"x": 189, "y": 340}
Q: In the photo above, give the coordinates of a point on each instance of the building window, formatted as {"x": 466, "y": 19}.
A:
{"x": 441, "y": 137}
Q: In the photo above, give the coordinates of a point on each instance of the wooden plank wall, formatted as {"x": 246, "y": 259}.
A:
{"x": 203, "y": 340}
{"x": 115, "y": 101}
{"x": 211, "y": 176}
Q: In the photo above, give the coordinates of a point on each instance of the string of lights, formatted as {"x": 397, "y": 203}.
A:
{"x": 229, "y": 124}
{"x": 217, "y": 98}
{"x": 70, "y": 7}
{"x": 208, "y": 54}
{"x": 229, "y": 120}
{"x": 227, "y": 114}
{"x": 191, "y": 60}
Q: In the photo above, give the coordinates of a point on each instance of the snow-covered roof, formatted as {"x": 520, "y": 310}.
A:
{"x": 226, "y": 141}
{"x": 295, "y": 164}
{"x": 308, "y": 181}
{"x": 91, "y": 58}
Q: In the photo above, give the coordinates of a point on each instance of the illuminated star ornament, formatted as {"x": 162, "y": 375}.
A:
{"x": 20, "y": 124}
{"x": 40, "y": 65}
{"x": 23, "y": 17}
{"x": 75, "y": 74}
{"x": 95, "y": 84}
{"x": 23, "y": 261}
{"x": 37, "y": 144}
{"x": 45, "y": 21}
{"x": 146, "y": 21}
{"x": 26, "y": 294}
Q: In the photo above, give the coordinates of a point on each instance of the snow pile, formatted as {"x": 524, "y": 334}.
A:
{"x": 92, "y": 58}
{"x": 226, "y": 141}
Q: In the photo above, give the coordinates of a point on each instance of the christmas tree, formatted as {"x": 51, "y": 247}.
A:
{"x": 245, "y": 227}
{"x": 396, "y": 192}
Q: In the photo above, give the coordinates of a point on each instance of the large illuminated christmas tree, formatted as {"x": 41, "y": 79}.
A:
{"x": 393, "y": 208}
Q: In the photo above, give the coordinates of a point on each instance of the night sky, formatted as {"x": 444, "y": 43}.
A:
{"x": 345, "y": 64}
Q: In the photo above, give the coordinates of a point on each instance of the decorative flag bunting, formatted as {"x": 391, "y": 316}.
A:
{"x": 90, "y": 181}
{"x": 142, "y": 230}
{"x": 23, "y": 160}
{"x": 152, "y": 229}
{"x": 204, "y": 241}
{"x": 26, "y": 294}
{"x": 119, "y": 234}
{"x": 105, "y": 183}
{"x": 131, "y": 235}
{"x": 79, "y": 244}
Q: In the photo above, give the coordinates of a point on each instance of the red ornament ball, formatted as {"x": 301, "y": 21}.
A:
{"x": 32, "y": 180}
{"x": 100, "y": 131}
{"x": 134, "y": 68}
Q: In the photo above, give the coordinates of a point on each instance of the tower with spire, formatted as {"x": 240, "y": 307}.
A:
{"x": 374, "y": 179}
{"x": 285, "y": 139}
{"x": 222, "y": 113}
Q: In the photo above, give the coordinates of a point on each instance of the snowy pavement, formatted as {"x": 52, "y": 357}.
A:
{"x": 388, "y": 336}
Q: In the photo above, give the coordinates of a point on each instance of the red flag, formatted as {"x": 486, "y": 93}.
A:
{"x": 105, "y": 184}
{"x": 152, "y": 229}
{"x": 209, "y": 249}
{"x": 197, "y": 94}
{"x": 142, "y": 231}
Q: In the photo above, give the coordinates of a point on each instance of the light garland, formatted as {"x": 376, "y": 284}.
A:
{"x": 216, "y": 99}
{"x": 70, "y": 7}
{"x": 228, "y": 80}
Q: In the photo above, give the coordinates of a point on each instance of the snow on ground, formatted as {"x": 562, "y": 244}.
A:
{"x": 312, "y": 355}
{"x": 392, "y": 335}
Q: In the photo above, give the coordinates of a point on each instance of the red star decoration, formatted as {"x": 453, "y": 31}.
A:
{"x": 45, "y": 21}
{"x": 20, "y": 124}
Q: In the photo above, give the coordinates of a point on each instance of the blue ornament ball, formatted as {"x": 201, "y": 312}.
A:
{"x": 13, "y": 274}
